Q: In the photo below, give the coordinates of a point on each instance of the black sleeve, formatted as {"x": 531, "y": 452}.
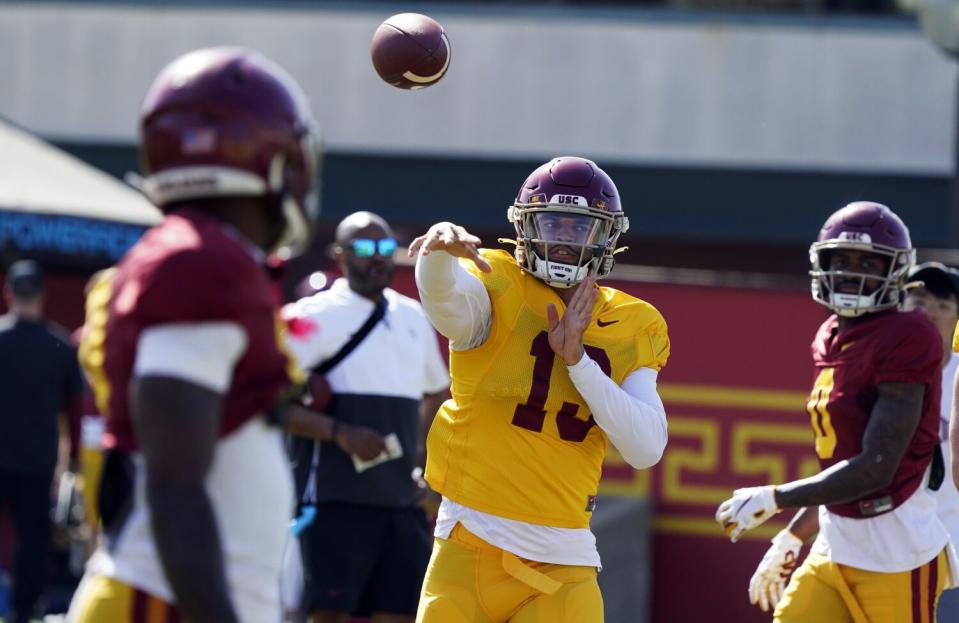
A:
{"x": 71, "y": 376}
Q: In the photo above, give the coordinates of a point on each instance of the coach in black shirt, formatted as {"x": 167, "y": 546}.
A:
{"x": 39, "y": 380}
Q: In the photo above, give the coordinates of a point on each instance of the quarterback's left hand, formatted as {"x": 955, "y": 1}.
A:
{"x": 747, "y": 509}
{"x": 566, "y": 334}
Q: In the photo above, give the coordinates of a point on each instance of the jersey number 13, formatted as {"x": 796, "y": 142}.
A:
{"x": 531, "y": 414}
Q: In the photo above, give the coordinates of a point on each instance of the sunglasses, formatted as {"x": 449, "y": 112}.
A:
{"x": 367, "y": 247}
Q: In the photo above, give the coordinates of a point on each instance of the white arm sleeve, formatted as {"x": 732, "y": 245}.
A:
{"x": 455, "y": 301}
{"x": 203, "y": 353}
{"x": 436, "y": 378}
{"x": 632, "y": 416}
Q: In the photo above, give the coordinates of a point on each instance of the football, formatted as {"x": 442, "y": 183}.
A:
{"x": 410, "y": 51}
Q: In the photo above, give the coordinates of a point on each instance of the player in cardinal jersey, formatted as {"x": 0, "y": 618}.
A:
{"x": 547, "y": 368}
{"x": 181, "y": 346}
{"x": 882, "y": 554}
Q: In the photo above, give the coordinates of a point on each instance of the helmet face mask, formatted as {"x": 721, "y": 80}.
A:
{"x": 228, "y": 122}
{"x": 300, "y": 207}
{"x": 567, "y": 221}
{"x": 871, "y": 232}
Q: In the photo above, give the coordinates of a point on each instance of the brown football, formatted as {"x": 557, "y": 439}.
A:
{"x": 410, "y": 51}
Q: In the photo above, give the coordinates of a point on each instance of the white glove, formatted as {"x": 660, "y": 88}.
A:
{"x": 747, "y": 509}
{"x": 767, "y": 584}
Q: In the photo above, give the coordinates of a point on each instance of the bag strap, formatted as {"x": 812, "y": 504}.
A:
{"x": 379, "y": 310}
{"x": 308, "y": 498}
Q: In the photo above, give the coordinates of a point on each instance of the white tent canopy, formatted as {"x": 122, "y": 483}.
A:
{"x": 54, "y": 206}
{"x": 37, "y": 177}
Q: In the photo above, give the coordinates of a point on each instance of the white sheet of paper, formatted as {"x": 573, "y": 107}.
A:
{"x": 394, "y": 450}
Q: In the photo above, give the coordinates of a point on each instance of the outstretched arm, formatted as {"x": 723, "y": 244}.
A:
{"x": 893, "y": 422}
{"x": 455, "y": 301}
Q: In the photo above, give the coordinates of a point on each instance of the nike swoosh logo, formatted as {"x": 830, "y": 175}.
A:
{"x": 600, "y": 323}
{"x": 740, "y": 507}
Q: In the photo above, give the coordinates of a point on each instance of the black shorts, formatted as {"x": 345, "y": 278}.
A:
{"x": 364, "y": 559}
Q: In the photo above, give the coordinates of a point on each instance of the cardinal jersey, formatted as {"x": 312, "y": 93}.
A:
{"x": 517, "y": 440}
{"x": 187, "y": 270}
{"x": 900, "y": 347}
{"x": 188, "y": 274}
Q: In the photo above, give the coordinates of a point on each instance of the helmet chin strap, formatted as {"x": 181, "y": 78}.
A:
{"x": 541, "y": 269}
{"x": 855, "y": 305}
{"x": 560, "y": 274}
{"x": 851, "y": 306}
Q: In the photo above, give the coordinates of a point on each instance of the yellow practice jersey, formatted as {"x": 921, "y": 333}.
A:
{"x": 517, "y": 440}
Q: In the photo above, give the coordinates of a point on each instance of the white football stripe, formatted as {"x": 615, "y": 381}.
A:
{"x": 409, "y": 75}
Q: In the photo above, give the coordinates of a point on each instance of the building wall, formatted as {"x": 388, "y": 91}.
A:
{"x": 626, "y": 86}
{"x": 715, "y": 128}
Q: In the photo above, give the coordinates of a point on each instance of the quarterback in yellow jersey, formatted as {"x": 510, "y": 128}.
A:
{"x": 547, "y": 368}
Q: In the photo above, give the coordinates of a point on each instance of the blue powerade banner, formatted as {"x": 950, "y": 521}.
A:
{"x": 91, "y": 239}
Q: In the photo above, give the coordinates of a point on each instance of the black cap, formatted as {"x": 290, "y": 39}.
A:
{"x": 941, "y": 280}
{"x": 25, "y": 279}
